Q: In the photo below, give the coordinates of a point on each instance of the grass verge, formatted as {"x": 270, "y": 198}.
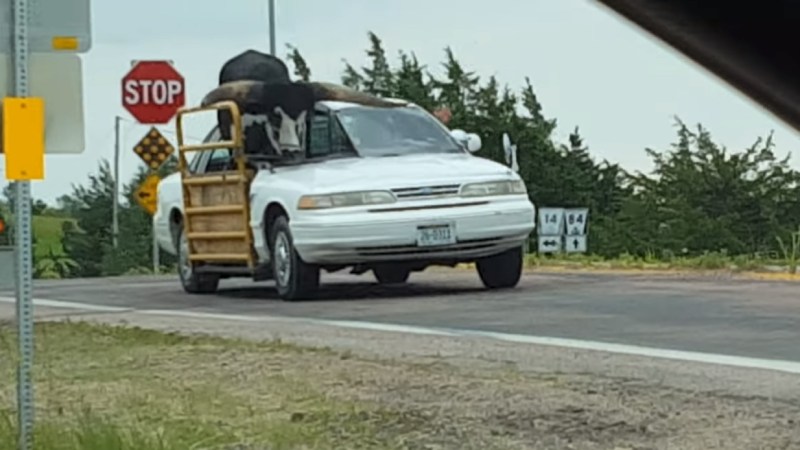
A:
{"x": 47, "y": 230}
{"x": 102, "y": 387}
{"x": 707, "y": 261}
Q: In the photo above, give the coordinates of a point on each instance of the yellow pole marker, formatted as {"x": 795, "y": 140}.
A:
{"x": 23, "y": 138}
{"x": 65, "y": 43}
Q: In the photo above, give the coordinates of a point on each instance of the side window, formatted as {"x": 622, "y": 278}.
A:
{"x": 327, "y": 137}
{"x": 194, "y": 162}
{"x": 339, "y": 141}
{"x": 219, "y": 160}
{"x": 200, "y": 160}
{"x": 319, "y": 142}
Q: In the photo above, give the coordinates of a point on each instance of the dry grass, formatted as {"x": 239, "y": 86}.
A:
{"x": 146, "y": 390}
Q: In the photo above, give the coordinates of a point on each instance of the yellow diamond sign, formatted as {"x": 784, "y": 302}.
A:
{"x": 147, "y": 194}
{"x": 153, "y": 149}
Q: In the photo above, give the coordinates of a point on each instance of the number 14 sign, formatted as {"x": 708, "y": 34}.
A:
{"x": 551, "y": 221}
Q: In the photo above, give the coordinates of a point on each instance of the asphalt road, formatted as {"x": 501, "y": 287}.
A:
{"x": 725, "y": 316}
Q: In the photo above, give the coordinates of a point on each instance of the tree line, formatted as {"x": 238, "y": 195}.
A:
{"x": 700, "y": 197}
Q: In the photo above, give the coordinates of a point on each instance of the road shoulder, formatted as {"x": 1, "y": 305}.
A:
{"x": 515, "y": 395}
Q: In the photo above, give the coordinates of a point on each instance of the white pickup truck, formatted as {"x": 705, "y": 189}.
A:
{"x": 387, "y": 190}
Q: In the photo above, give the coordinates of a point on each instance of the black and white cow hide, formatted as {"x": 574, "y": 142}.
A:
{"x": 274, "y": 121}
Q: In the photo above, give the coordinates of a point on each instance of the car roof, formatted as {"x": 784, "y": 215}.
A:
{"x": 336, "y": 105}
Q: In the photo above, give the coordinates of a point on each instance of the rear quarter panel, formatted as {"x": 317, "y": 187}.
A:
{"x": 170, "y": 201}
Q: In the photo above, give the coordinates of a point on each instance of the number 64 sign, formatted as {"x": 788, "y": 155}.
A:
{"x": 576, "y": 221}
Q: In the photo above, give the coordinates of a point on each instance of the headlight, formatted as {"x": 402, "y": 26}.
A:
{"x": 510, "y": 187}
{"x": 345, "y": 199}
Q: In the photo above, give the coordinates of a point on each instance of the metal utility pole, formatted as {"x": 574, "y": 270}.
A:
{"x": 115, "y": 211}
{"x": 271, "y": 27}
{"x": 24, "y": 251}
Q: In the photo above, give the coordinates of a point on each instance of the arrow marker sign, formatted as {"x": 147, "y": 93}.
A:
{"x": 146, "y": 194}
{"x": 549, "y": 244}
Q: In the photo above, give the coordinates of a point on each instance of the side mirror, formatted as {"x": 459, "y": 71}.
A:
{"x": 459, "y": 135}
{"x": 471, "y": 141}
{"x": 474, "y": 143}
{"x": 510, "y": 151}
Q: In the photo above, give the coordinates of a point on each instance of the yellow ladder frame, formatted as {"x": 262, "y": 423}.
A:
{"x": 239, "y": 176}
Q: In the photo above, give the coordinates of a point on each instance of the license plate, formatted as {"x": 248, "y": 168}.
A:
{"x": 433, "y": 235}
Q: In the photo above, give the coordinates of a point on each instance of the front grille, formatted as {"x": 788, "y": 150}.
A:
{"x": 427, "y": 207}
{"x": 422, "y": 192}
{"x": 408, "y": 250}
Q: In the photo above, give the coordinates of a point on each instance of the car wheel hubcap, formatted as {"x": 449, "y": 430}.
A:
{"x": 283, "y": 261}
{"x": 185, "y": 266}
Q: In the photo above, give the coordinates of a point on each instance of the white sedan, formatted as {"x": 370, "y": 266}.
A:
{"x": 387, "y": 190}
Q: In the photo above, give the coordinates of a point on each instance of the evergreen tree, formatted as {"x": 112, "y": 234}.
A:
{"x": 301, "y": 69}
{"x": 86, "y": 241}
{"x": 456, "y": 91}
{"x": 378, "y": 77}
{"x": 351, "y": 78}
{"x": 410, "y": 82}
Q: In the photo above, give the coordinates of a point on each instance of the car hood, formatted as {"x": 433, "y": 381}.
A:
{"x": 393, "y": 171}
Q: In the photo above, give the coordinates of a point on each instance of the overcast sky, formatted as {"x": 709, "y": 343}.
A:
{"x": 588, "y": 67}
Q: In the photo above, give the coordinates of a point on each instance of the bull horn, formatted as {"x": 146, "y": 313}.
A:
{"x": 243, "y": 92}
{"x": 336, "y": 92}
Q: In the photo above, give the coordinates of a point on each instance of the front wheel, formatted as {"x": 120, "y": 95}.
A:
{"x": 192, "y": 282}
{"x": 503, "y": 270}
{"x": 294, "y": 278}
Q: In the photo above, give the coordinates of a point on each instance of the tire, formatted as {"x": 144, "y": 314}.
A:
{"x": 501, "y": 271}
{"x": 193, "y": 283}
{"x": 391, "y": 274}
{"x": 294, "y": 279}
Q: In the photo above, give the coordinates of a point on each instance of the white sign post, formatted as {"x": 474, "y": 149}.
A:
{"x": 562, "y": 229}
{"x": 27, "y": 28}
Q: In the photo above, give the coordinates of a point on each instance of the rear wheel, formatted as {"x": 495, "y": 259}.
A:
{"x": 503, "y": 270}
{"x": 192, "y": 282}
{"x": 294, "y": 278}
{"x": 391, "y": 274}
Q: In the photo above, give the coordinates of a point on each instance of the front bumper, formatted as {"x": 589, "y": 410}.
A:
{"x": 389, "y": 233}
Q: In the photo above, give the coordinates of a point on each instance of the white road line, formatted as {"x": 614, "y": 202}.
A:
{"x": 634, "y": 350}
{"x": 70, "y": 305}
{"x": 336, "y": 323}
{"x": 409, "y": 329}
{"x": 198, "y": 315}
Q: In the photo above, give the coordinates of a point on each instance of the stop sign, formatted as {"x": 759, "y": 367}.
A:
{"x": 153, "y": 91}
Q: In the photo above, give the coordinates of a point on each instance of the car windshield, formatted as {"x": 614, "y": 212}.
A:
{"x": 395, "y": 132}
